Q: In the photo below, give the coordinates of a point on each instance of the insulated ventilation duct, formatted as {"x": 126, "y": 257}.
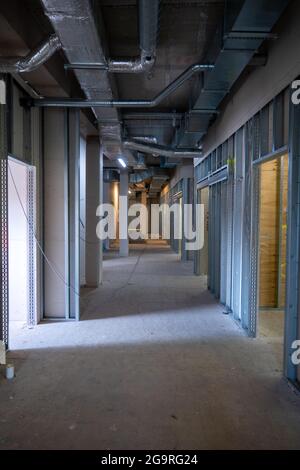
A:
{"x": 160, "y": 150}
{"x": 144, "y": 175}
{"x": 33, "y": 60}
{"x": 148, "y": 32}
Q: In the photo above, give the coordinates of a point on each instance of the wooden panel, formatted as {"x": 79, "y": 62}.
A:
{"x": 283, "y": 228}
{"x": 269, "y": 233}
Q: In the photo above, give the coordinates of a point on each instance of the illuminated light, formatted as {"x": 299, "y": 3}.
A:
{"x": 121, "y": 161}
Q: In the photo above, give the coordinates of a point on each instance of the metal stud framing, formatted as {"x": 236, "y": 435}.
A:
{"x": 4, "y": 217}
{"x": 237, "y": 225}
{"x": 31, "y": 320}
{"x": 293, "y": 249}
{"x": 254, "y": 253}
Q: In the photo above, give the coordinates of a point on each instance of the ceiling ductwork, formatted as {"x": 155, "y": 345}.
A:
{"x": 148, "y": 32}
{"x": 249, "y": 23}
{"x": 100, "y": 103}
{"x": 148, "y": 139}
{"x": 33, "y": 60}
{"x": 80, "y": 30}
{"x": 78, "y": 27}
{"x": 156, "y": 185}
{"x": 152, "y": 172}
{"x": 161, "y": 150}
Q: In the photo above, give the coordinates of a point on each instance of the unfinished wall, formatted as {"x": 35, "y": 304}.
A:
{"x": 269, "y": 233}
{"x": 260, "y": 87}
{"x": 18, "y": 242}
{"x": 283, "y": 229}
{"x": 82, "y": 208}
{"x": 203, "y": 199}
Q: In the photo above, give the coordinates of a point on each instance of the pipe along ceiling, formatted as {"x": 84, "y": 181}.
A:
{"x": 67, "y": 17}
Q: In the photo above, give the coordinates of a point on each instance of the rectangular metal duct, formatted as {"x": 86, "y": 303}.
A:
{"x": 253, "y": 24}
{"x": 74, "y": 22}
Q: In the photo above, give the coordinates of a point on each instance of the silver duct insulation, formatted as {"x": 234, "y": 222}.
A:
{"x": 77, "y": 25}
{"x": 148, "y": 139}
{"x": 148, "y": 26}
{"x": 33, "y": 60}
{"x": 161, "y": 150}
{"x": 141, "y": 64}
{"x": 148, "y": 32}
{"x": 144, "y": 175}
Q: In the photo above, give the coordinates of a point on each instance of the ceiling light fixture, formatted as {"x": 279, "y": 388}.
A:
{"x": 121, "y": 161}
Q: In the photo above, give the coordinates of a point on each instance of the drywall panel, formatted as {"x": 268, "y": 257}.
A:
{"x": 18, "y": 242}
{"x": 55, "y": 198}
{"x": 82, "y": 208}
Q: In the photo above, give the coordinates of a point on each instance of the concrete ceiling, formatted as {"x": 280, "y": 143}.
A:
{"x": 189, "y": 33}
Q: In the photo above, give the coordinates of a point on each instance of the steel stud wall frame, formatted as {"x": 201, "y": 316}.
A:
{"x": 263, "y": 136}
{"x": 292, "y": 332}
{"x": 238, "y": 183}
{"x": 3, "y": 214}
{"x": 32, "y": 317}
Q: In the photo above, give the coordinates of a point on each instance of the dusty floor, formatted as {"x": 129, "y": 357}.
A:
{"x": 154, "y": 364}
{"x": 271, "y": 324}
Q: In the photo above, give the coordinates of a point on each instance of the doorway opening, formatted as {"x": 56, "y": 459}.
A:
{"x": 272, "y": 248}
{"x": 21, "y": 260}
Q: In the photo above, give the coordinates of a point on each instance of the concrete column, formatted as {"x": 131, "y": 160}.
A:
{"x": 61, "y": 213}
{"x": 123, "y": 214}
{"x": 94, "y": 189}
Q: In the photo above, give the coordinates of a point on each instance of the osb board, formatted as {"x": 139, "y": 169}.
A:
{"x": 269, "y": 233}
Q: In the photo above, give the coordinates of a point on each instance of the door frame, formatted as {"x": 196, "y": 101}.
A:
{"x": 30, "y": 215}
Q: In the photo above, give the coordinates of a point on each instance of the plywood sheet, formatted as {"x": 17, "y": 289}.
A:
{"x": 269, "y": 233}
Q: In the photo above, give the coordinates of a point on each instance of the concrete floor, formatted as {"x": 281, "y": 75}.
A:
{"x": 271, "y": 324}
{"x": 154, "y": 364}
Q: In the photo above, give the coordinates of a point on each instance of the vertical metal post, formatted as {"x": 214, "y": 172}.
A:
{"x": 32, "y": 318}
{"x": 93, "y": 185}
{"x": 223, "y": 246}
{"x": 185, "y": 200}
{"x": 211, "y": 228}
{"x": 217, "y": 217}
{"x": 229, "y": 233}
{"x": 197, "y": 254}
{"x": 254, "y": 252}
{"x": 123, "y": 213}
{"x": 246, "y": 227}
{"x": 293, "y": 249}
{"x": 3, "y": 215}
{"x": 66, "y": 214}
{"x": 73, "y": 211}
{"x": 237, "y": 226}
